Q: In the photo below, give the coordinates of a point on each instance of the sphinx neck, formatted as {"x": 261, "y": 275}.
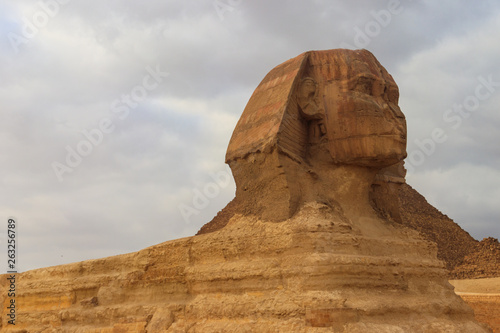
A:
{"x": 350, "y": 188}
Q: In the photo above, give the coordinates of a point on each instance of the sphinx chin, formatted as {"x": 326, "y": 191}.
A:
{"x": 373, "y": 151}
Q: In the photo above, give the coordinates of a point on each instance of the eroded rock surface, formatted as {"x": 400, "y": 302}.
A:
{"x": 315, "y": 272}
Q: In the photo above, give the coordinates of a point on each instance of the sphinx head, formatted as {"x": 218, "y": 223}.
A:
{"x": 310, "y": 118}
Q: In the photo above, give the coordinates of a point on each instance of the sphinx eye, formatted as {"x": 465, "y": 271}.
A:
{"x": 364, "y": 85}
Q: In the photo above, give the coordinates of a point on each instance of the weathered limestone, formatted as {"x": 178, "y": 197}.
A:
{"x": 315, "y": 272}
{"x": 314, "y": 245}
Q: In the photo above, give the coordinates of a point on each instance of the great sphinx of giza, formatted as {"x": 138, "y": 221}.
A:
{"x": 311, "y": 243}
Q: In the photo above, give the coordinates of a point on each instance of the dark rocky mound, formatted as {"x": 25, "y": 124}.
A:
{"x": 453, "y": 242}
{"x": 483, "y": 262}
{"x": 221, "y": 219}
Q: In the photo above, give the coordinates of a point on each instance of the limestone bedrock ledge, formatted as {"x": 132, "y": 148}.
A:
{"x": 315, "y": 272}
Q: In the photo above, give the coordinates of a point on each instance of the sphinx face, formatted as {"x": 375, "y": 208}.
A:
{"x": 364, "y": 123}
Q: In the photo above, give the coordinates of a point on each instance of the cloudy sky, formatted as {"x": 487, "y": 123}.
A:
{"x": 116, "y": 115}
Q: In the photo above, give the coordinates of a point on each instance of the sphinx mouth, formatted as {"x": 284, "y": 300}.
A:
{"x": 375, "y": 112}
{"x": 397, "y": 137}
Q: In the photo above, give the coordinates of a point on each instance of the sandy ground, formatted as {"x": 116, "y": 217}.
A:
{"x": 477, "y": 286}
{"x": 482, "y": 295}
